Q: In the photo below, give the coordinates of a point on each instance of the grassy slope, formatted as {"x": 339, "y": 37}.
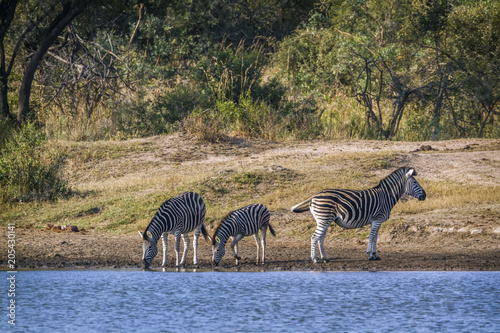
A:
{"x": 120, "y": 185}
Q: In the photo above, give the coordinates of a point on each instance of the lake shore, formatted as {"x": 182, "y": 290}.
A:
{"x": 40, "y": 249}
{"x": 121, "y": 185}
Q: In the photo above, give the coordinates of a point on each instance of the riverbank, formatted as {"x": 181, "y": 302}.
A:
{"x": 424, "y": 250}
{"x": 120, "y": 185}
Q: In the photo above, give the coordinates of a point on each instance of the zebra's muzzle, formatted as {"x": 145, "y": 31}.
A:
{"x": 422, "y": 197}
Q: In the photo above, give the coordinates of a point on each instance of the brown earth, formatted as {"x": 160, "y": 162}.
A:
{"x": 428, "y": 251}
{"x": 437, "y": 240}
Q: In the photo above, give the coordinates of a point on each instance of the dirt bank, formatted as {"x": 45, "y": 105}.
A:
{"x": 428, "y": 251}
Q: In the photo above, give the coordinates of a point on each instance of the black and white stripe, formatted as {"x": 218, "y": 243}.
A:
{"x": 178, "y": 216}
{"x": 355, "y": 209}
{"x": 243, "y": 222}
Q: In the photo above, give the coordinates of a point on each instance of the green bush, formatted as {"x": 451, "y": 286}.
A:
{"x": 29, "y": 169}
{"x": 142, "y": 117}
{"x": 228, "y": 73}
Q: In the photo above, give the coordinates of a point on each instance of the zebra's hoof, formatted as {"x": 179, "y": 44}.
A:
{"x": 237, "y": 257}
{"x": 315, "y": 260}
{"x": 373, "y": 258}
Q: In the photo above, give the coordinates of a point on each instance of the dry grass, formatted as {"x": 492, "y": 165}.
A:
{"x": 120, "y": 184}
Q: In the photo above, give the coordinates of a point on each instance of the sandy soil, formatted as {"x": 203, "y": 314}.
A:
{"x": 438, "y": 240}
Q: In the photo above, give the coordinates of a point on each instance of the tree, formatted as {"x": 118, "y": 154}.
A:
{"x": 42, "y": 30}
{"x": 7, "y": 10}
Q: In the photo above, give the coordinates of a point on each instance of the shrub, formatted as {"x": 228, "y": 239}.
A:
{"x": 228, "y": 73}
{"x": 204, "y": 127}
{"x": 145, "y": 117}
{"x": 29, "y": 169}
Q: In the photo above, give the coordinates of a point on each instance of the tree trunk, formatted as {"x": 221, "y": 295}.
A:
{"x": 4, "y": 102}
{"x": 439, "y": 105}
{"x": 69, "y": 12}
{"x": 397, "y": 114}
{"x": 7, "y": 10}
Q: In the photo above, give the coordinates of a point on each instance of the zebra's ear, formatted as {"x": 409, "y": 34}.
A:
{"x": 410, "y": 173}
{"x": 141, "y": 234}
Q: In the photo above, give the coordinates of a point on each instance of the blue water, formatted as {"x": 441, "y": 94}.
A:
{"x": 156, "y": 301}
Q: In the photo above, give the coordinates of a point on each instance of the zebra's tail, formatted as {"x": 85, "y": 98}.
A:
{"x": 204, "y": 232}
{"x": 300, "y": 208}
{"x": 271, "y": 229}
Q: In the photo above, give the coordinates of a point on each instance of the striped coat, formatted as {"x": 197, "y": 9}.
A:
{"x": 245, "y": 221}
{"x": 357, "y": 208}
{"x": 178, "y": 216}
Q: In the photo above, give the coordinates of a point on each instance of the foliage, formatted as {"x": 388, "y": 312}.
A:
{"x": 145, "y": 117}
{"x": 29, "y": 169}
{"x": 267, "y": 68}
{"x": 391, "y": 62}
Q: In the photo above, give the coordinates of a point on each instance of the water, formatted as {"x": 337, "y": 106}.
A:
{"x": 155, "y": 301}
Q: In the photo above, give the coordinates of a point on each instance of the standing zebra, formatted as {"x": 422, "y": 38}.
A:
{"x": 179, "y": 215}
{"x": 243, "y": 222}
{"x": 354, "y": 209}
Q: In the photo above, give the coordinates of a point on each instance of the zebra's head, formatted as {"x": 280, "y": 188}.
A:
{"x": 149, "y": 248}
{"x": 412, "y": 187}
{"x": 218, "y": 250}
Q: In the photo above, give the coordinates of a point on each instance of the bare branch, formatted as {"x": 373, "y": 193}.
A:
{"x": 25, "y": 33}
{"x": 141, "y": 6}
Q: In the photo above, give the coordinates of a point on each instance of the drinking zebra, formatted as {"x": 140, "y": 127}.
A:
{"x": 243, "y": 222}
{"x": 178, "y": 216}
{"x": 354, "y": 209}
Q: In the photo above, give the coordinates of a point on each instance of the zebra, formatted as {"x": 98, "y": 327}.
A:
{"x": 243, "y": 222}
{"x": 178, "y": 216}
{"x": 354, "y": 209}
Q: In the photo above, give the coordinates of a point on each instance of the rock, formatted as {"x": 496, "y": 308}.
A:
{"x": 476, "y": 231}
{"x": 72, "y": 228}
{"x": 425, "y": 148}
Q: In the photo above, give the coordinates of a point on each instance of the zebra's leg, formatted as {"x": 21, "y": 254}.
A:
{"x": 264, "y": 231}
{"x": 319, "y": 236}
{"x": 234, "y": 244}
{"x": 321, "y": 248}
{"x": 164, "y": 238}
{"x": 257, "y": 241}
{"x": 372, "y": 241}
{"x": 185, "y": 240}
{"x": 238, "y": 258}
{"x": 177, "y": 247}
{"x": 197, "y": 233}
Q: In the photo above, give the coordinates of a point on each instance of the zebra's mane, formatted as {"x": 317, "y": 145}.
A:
{"x": 221, "y": 223}
{"x": 163, "y": 206}
{"x": 398, "y": 172}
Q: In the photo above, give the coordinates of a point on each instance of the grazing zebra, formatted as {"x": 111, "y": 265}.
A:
{"x": 354, "y": 209}
{"x": 178, "y": 216}
{"x": 243, "y": 222}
